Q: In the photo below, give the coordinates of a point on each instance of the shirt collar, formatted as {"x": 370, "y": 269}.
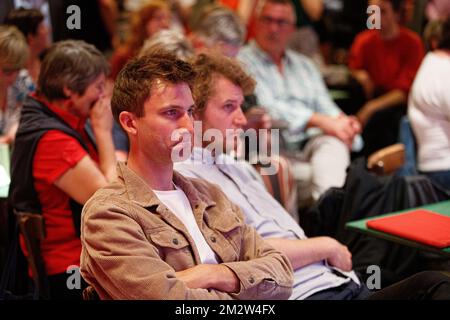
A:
{"x": 140, "y": 192}
{"x": 204, "y": 157}
{"x": 73, "y": 121}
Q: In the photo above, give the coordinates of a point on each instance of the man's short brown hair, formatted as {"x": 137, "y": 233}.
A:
{"x": 209, "y": 66}
{"x": 134, "y": 83}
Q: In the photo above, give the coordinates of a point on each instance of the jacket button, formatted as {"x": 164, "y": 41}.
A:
{"x": 251, "y": 280}
{"x": 175, "y": 241}
{"x": 213, "y": 239}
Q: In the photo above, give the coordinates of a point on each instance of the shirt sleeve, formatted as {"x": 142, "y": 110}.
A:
{"x": 356, "y": 56}
{"x": 56, "y": 153}
{"x": 410, "y": 64}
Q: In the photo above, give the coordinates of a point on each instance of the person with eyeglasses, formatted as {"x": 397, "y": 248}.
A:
{"x": 13, "y": 56}
{"x": 292, "y": 89}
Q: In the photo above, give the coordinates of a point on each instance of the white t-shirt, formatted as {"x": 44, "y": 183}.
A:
{"x": 179, "y": 204}
{"x": 429, "y": 112}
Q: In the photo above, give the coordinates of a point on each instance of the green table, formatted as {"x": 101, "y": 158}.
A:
{"x": 440, "y": 207}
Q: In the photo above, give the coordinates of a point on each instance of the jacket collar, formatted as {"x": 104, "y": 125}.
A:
{"x": 140, "y": 192}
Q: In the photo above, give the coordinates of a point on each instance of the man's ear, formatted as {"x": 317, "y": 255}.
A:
{"x": 128, "y": 122}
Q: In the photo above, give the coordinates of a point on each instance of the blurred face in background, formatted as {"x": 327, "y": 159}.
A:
{"x": 159, "y": 21}
{"x": 7, "y": 75}
{"x": 275, "y": 26}
{"x": 41, "y": 40}
{"x": 389, "y": 18}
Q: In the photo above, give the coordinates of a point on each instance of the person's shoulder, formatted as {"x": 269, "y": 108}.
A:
{"x": 300, "y": 60}
{"x": 410, "y": 38}
{"x": 299, "y": 57}
{"x": 187, "y": 168}
{"x": 250, "y": 53}
{"x": 246, "y": 49}
{"x": 107, "y": 198}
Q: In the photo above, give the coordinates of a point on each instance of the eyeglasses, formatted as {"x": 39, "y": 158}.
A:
{"x": 282, "y": 23}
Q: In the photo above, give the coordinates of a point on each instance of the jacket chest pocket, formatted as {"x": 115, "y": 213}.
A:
{"x": 229, "y": 226}
{"x": 172, "y": 247}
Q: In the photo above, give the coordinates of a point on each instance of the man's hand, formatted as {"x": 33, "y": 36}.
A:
{"x": 210, "y": 276}
{"x": 355, "y": 124}
{"x": 341, "y": 127}
{"x": 339, "y": 257}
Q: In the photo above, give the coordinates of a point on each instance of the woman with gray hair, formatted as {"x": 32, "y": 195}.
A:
{"x": 55, "y": 167}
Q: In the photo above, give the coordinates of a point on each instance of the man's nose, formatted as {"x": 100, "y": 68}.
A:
{"x": 186, "y": 122}
{"x": 239, "y": 118}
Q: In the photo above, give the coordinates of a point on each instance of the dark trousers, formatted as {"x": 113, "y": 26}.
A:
{"x": 439, "y": 178}
{"x": 59, "y": 290}
{"x": 382, "y": 129}
{"x": 426, "y": 285}
{"x": 347, "y": 291}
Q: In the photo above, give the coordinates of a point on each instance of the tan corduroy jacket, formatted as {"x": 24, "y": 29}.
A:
{"x": 133, "y": 244}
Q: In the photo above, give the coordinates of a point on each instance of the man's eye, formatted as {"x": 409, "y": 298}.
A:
{"x": 228, "y": 106}
{"x": 171, "y": 113}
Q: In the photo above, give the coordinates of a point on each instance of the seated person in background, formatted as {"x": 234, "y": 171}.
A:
{"x": 292, "y": 89}
{"x": 55, "y": 167}
{"x": 154, "y": 234}
{"x": 13, "y": 56}
{"x": 31, "y": 23}
{"x": 169, "y": 40}
{"x": 152, "y": 17}
{"x": 429, "y": 112}
{"x": 322, "y": 266}
{"x": 218, "y": 29}
{"x": 385, "y": 62}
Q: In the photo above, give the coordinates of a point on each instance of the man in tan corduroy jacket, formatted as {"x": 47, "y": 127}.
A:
{"x": 154, "y": 234}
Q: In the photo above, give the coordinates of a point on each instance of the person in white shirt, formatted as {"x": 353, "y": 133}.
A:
{"x": 429, "y": 112}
